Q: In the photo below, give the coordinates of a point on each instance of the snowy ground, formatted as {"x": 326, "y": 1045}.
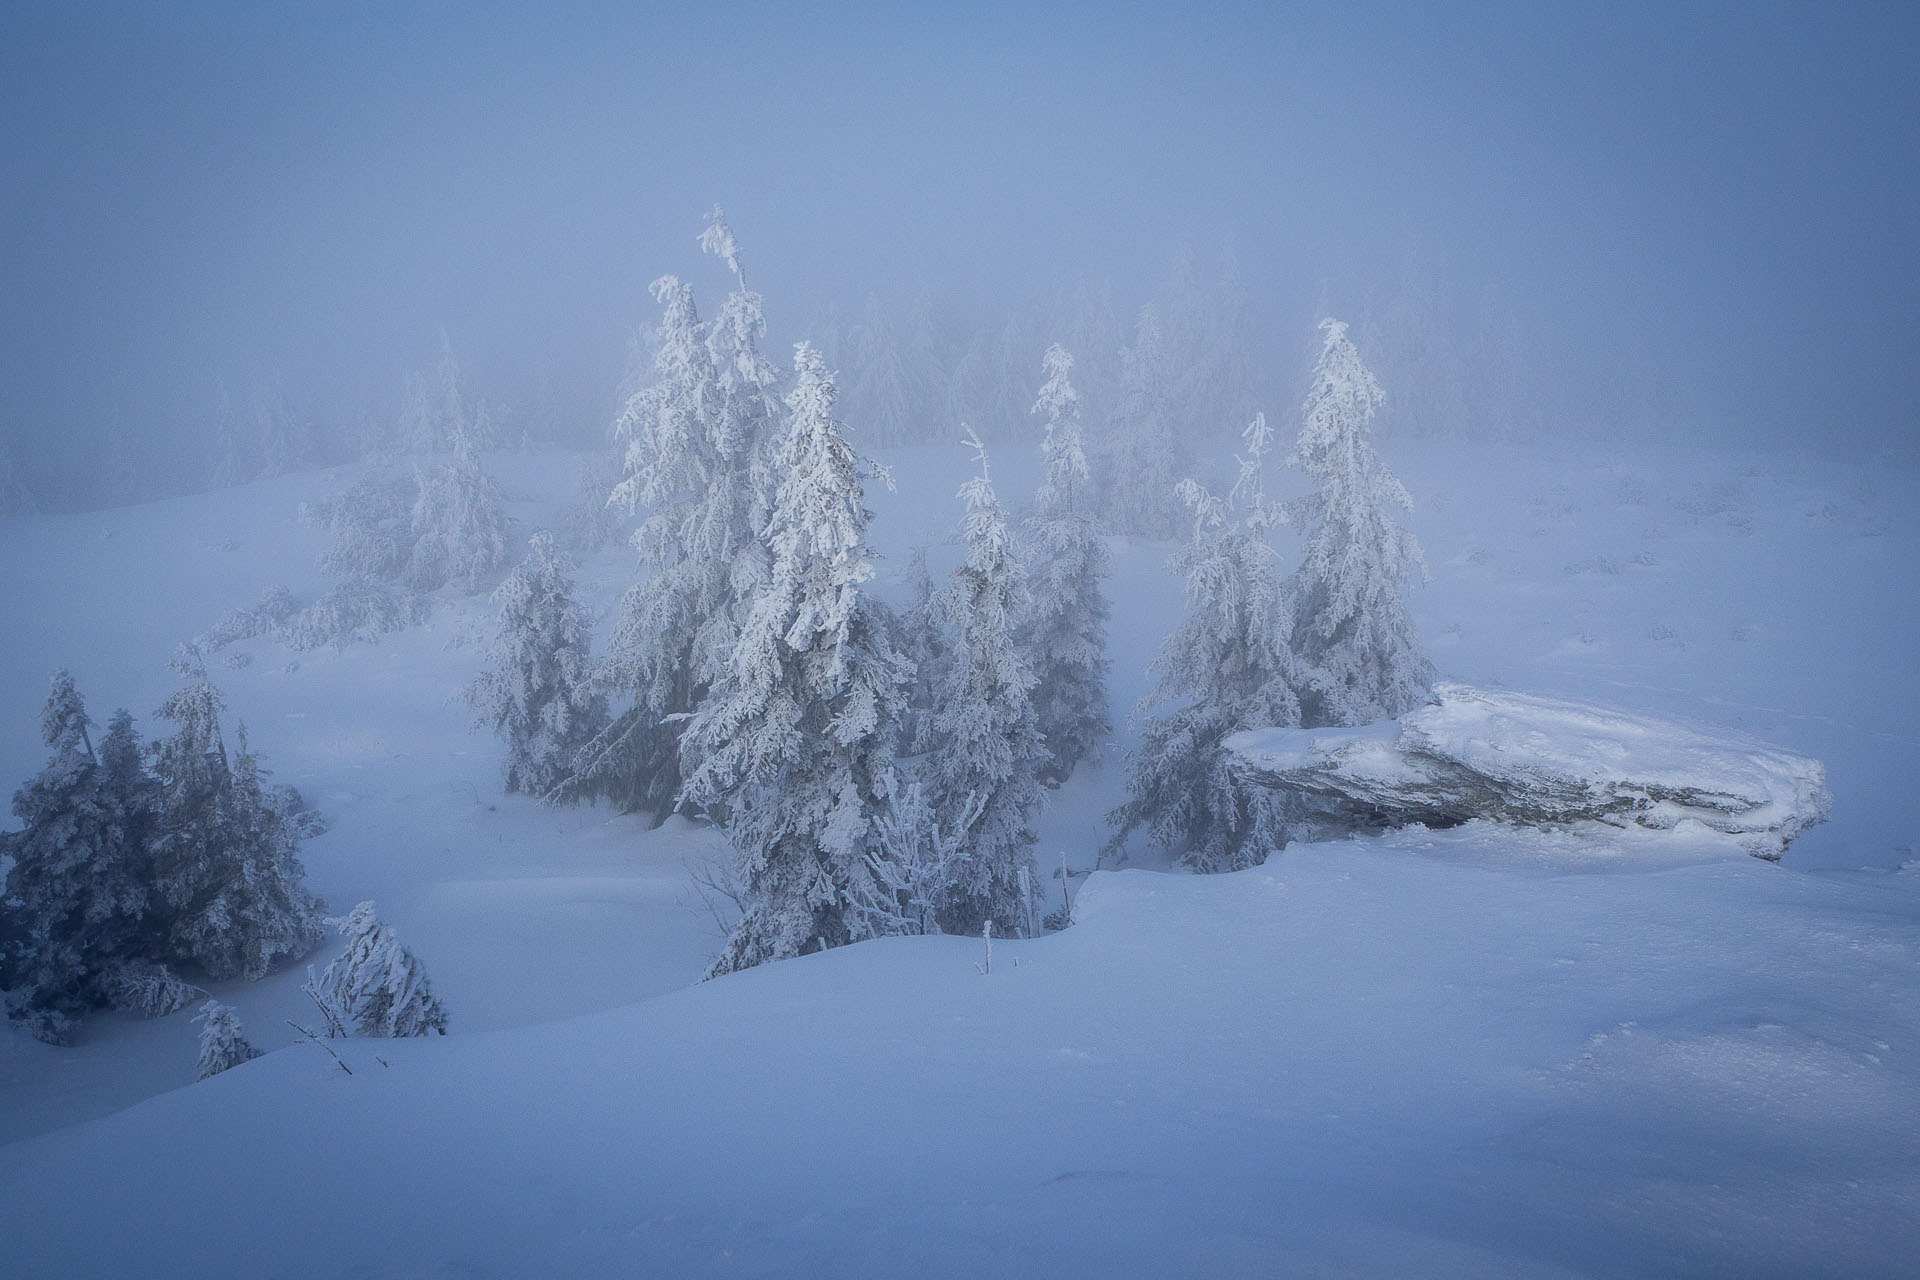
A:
{"x": 1434, "y": 1055}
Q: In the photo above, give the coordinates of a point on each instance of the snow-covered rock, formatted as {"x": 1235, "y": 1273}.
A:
{"x": 1531, "y": 761}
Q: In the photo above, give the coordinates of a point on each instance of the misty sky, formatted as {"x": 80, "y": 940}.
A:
{"x": 1722, "y": 196}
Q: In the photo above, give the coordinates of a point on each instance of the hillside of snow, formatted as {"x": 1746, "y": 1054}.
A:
{"x": 1432, "y": 1053}
{"x": 1362, "y": 1059}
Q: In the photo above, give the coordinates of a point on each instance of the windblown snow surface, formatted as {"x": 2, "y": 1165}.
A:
{"x": 1470, "y": 1052}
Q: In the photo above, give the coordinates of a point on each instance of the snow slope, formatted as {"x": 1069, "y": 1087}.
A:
{"x": 1366, "y": 1059}
{"x": 1390, "y": 1057}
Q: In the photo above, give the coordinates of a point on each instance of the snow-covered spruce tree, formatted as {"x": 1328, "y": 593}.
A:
{"x": 1226, "y": 668}
{"x": 536, "y": 691}
{"x": 796, "y": 736}
{"x": 987, "y": 750}
{"x": 435, "y": 414}
{"x": 376, "y": 987}
{"x": 697, "y": 444}
{"x": 221, "y": 1044}
{"x": 671, "y": 468}
{"x": 1064, "y": 630}
{"x": 286, "y": 441}
{"x": 1347, "y": 598}
{"x": 78, "y": 885}
{"x": 1143, "y": 445}
{"x": 371, "y": 524}
{"x": 227, "y": 881}
{"x": 459, "y": 525}
{"x": 373, "y": 542}
{"x": 231, "y": 460}
{"x": 879, "y": 383}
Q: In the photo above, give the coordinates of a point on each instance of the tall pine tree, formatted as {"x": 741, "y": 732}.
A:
{"x": 1144, "y": 447}
{"x": 1226, "y": 668}
{"x": 698, "y": 440}
{"x": 1347, "y": 599}
{"x": 459, "y": 524}
{"x": 794, "y": 741}
{"x": 1065, "y": 626}
{"x": 988, "y": 750}
{"x": 537, "y": 691}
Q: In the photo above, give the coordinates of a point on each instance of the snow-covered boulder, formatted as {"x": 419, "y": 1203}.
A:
{"x": 1531, "y": 761}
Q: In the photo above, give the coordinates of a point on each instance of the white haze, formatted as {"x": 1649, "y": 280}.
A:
{"x": 1661, "y": 222}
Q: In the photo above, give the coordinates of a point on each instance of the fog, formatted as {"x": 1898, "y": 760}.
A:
{"x": 1694, "y": 223}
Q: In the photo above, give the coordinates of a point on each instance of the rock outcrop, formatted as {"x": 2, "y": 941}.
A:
{"x": 1541, "y": 762}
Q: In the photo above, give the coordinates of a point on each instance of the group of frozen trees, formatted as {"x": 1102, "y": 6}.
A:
{"x": 875, "y": 773}
{"x": 397, "y": 535}
{"x": 879, "y": 773}
{"x": 1331, "y": 644}
{"x": 135, "y": 860}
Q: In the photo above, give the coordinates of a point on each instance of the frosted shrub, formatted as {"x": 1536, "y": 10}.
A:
{"x": 221, "y": 1044}
{"x": 149, "y": 990}
{"x": 356, "y": 611}
{"x": 377, "y": 987}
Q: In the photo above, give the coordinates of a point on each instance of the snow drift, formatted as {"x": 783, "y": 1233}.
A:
{"x": 1531, "y": 761}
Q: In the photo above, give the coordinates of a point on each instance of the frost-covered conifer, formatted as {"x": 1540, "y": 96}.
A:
{"x": 78, "y": 886}
{"x": 1065, "y": 627}
{"x": 1226, "y": 668}
{"x": 698, "y": 441}
{"x": 435, "y": 415}
{"x": 286, "y": 438}
{"x": 371, "y": 524}
{"x": 797, "y": 734}
{"x": 987, "y": 750}
{"x": 1144, "y": 448}
{"x": 232, "y": 463}
{"x": 536, "y": 691}
{"x": 880, "y": 380}
{"x": 221, "y": 1044}
{"x": 228, "y": 885}
{"x": 1347, "y": 598}
{"x": 373, "y": 543}
{"x": 459, "y": 525}
{"x": 377, "y": 987}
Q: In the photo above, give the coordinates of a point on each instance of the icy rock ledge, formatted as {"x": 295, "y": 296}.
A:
{"x": 1540, "y": 762}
